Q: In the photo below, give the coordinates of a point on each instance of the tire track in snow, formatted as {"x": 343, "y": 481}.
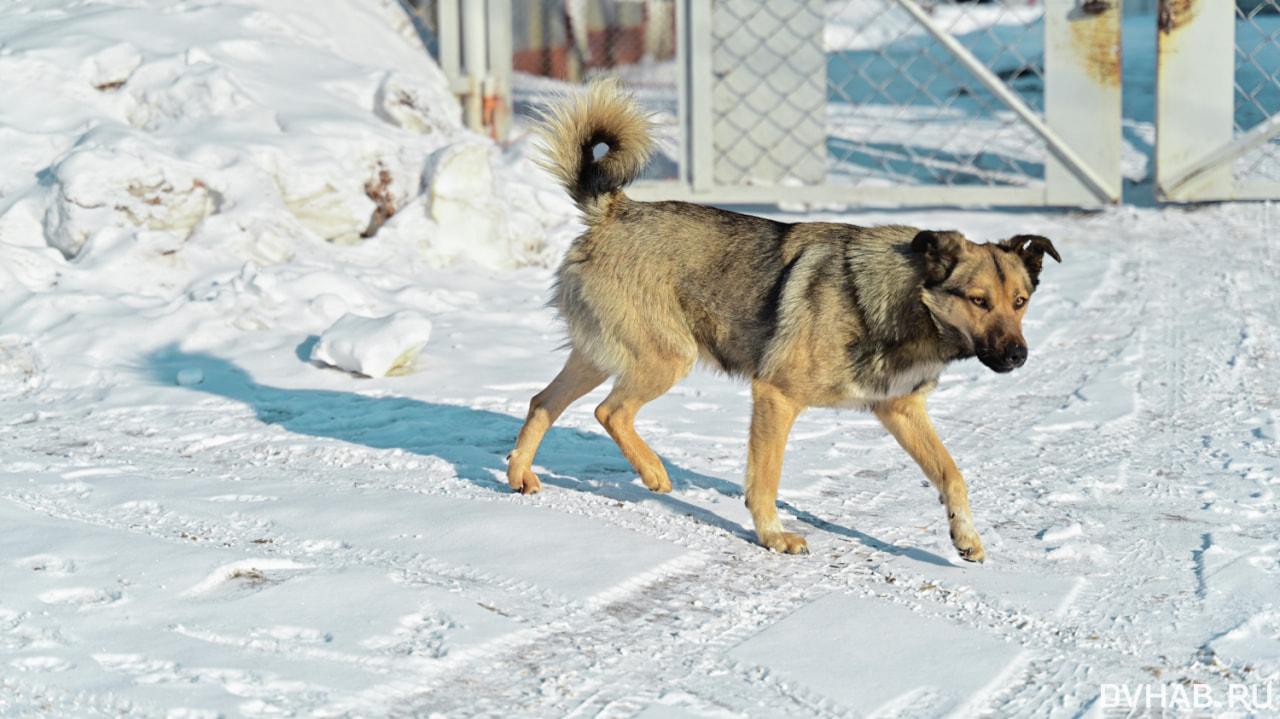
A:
{"x": 531, "y": 605}
{"x": 787, "y": 699}
{"x": 664, "y": 641}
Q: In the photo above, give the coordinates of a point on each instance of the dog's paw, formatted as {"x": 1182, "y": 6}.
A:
{"x": 785, "y": 543}
{"x": 654, "y": 476}
{"x": 521, "y": 478}
{"x": 968, "y": 545}
{"x": 661, "y": 485}
{"x": 525, "y": 482}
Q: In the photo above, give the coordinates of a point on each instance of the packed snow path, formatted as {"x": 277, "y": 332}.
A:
{"x": 203, "y": 516}
{"x": 269, "y": 537}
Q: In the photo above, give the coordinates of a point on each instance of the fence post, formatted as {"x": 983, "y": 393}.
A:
{"x": 450, "y": 45}
{"x": 501, "y": 51}
{"x": 698, "y": 41}
{"x": 475, "y": 63}
{"x": 682, "y": 91}
{"x": 1195, "y": 96}
{"x": 1082, "y": 99}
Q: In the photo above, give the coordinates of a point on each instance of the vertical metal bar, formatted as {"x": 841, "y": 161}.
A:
{"x": 449, "y": 28}
{"x": 701, "y": 150}
{"x": 501, "y": 52}
{"x": 682, "y": 92}
{"x": 474, "y": 63}
{"x": 1082, "y": 98}
{"x": 1195, "y": 97}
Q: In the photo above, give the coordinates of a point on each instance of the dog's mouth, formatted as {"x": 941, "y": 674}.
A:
{"x": 1011, "y": 358}
{"x": 997, "y": 366}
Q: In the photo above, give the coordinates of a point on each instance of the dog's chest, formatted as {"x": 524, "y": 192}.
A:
{"x": 861, "y": 392}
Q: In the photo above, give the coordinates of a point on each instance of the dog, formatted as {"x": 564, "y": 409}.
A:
{"x": 814, "y": 314}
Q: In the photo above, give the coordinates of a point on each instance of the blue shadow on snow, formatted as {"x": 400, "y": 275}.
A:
{"x": 474, "y": 441}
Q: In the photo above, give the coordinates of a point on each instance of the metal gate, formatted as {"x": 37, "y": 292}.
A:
{"x": 901, "y": 102}
{"x": 889, "y": 102}
{"x": 1218, "y": 112}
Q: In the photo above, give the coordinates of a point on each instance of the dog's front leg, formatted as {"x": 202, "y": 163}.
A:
{"x": 907, "y": 421}
{"x": 577, "y": 378}
{"x": 772, "y": 415}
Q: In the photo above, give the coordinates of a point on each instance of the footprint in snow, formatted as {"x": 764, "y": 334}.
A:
{"x": 48, "y": 565}
{"x": 245, "y": 576}
{"x": 79, "y": 596}
{"x": 41, "y": 664}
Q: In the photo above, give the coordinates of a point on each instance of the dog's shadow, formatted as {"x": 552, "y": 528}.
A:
{"x": 475, "y": 442}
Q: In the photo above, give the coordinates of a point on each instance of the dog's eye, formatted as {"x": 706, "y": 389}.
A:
{"x": 1019, "y": 303}
{"x": 979, "y": 302}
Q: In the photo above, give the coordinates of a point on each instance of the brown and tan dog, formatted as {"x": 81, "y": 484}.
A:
{"x": 814, "y": 314}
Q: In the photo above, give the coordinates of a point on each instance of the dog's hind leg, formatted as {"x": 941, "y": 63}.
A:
{"x": 642, "y": 384}
{"x": 578, "y": 377}
{"x": 772, "y": 416}
{"x": 907, "y": 420}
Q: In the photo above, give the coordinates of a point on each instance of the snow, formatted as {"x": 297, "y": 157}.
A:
{"x": 371, "y": 346}
{"x": 866, "y": 670}
{"x": 202, "y": 521}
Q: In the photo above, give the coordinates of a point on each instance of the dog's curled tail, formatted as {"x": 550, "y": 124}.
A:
{"x": 571, "y": 128}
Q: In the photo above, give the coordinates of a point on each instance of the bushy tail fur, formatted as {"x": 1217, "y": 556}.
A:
{"x": 572, "y": 127}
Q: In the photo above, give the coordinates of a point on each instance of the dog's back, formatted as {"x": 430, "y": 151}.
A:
{"x": 681, "y": 279}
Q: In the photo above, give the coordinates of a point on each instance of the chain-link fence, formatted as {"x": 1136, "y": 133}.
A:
{"x": 426, "y": 21}
{"x": 813, "y": 92}
{"x": 889, "y": 101}
{"x": 570, "y": 39}
{"x": 567, "y": 40}
{"x": 1257, "y": 85}
{"x": 554, "y": 43}
{"x": 833, "y": 94}
{"x": 557, "y": 42}
{"x": 909, "y": 102}
{"x": 903, "y": 110}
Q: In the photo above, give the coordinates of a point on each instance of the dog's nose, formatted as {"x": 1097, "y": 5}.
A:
{"x": 1015, "y": 355}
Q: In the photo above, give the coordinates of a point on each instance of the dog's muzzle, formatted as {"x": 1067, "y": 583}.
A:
{"x": 1013, "y": 357}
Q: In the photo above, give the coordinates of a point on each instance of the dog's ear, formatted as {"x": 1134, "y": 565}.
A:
{"x": 941, "y": 252}
{"x": 1031, "y": 249}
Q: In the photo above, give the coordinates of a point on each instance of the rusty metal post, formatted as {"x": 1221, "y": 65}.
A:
{"x": 1194, "y": 97}
{"x": 1082, "y": 98}
{"x": 497, "y": 100}
{"x": 475, "y": 63}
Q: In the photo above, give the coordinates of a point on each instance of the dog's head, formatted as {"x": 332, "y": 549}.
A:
{"x": 979, "y": 293}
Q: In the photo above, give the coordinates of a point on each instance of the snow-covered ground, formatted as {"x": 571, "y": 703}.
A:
{"x": 202, "y": 518}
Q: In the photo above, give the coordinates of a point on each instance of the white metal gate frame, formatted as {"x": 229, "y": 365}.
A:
{"x": 1081, "y": 125}
{"x": 1196, "y": 141}
{"x": 474, "y": 38}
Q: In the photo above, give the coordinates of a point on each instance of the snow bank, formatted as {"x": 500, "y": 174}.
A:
{"x": 251, "y": 131}
{"x": 199, "y": 197}
{"x": 373, "y": 346}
